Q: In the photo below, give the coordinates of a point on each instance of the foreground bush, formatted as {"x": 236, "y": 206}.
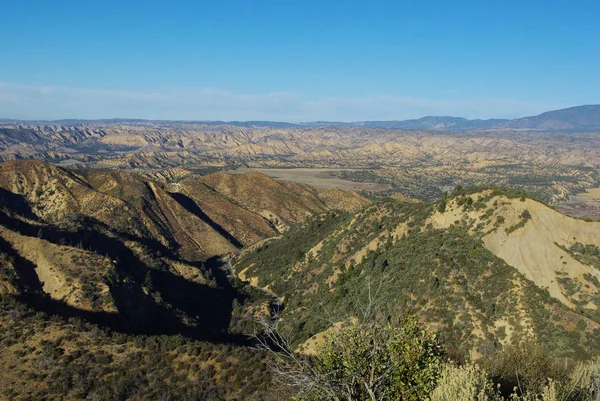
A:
{"x": 365, "y": 361}
{"x": 377, "y": 359}
{"x": 525, "y": 367}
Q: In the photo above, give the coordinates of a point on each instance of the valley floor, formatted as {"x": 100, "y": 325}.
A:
{"x": 317, "y": 177}
{"x": 585, "y": 205}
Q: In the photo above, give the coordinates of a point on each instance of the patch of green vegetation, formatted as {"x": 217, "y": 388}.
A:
{"x": 273, "y": 257}
{"x": 77, "y": 360}
{"x": 525, "y": 217}
{"x": 442, "y": 206}
{"x": 499, "y": 220}
{"x": 206, "y": 170}
{"x": 574, "y": 289}
{"x": 487, "y": 215}
{"x": 445, "y": 276}
{"x": 570, "y": 287}
{"x": 511, "y": 193}
{"x": 588, "y": 254}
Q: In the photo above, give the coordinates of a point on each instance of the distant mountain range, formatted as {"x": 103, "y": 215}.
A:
{"x": 427, "y": 123}
{"x": 579, "y": 118}
{"x": 583, "y": 118}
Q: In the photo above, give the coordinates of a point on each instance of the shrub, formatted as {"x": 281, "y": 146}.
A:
{"x": 526, "y": 368}
{"x": 369, "y": 360}
{"x": 469, "y": 382}
{"x": 442, "y": 206}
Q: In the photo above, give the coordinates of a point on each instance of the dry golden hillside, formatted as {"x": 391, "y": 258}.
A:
{"x": 288, "y": 201}
{"x": 123, "y": 201}
{"x": 97, "y": 241}
{"x": 342, "y": 200}
{"x": 537, "y": 240}
{"x": 197, "y": 217}
{"x": 281, "y": 203}
{"x": 245, "y": 225}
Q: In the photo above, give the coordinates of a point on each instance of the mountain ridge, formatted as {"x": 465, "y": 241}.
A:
{"x": 125, "y": 251}
{"x": 461, "y": 265}
{"x": 583, "y": 117}
{"x": 124, "y": 260}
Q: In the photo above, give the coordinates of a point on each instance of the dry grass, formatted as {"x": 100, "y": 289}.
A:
{"x": 467, "y": 382}
{"x": 471, "y": 382}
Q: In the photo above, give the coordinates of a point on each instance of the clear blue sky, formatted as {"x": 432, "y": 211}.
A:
{"x": 296, "y": 60}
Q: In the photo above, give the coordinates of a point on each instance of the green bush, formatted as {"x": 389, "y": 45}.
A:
{"x": 375, "y": 361}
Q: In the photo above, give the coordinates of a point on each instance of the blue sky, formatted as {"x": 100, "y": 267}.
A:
{"x": 296, "y": 60}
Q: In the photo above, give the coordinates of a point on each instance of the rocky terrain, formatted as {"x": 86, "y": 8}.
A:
{"x": 163, "y": 145}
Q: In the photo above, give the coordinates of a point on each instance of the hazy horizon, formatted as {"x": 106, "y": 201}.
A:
{"x": 259, "y": 120}
{"x": 266, "y": 60}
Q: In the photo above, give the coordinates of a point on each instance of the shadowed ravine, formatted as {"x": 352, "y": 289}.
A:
{"x": 138, "y": 312}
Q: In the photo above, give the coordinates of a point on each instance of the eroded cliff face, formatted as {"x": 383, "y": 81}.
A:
{"x": 148, "y": 145}
{"x": 535, "y": 239}
{"x": 418, "y": 163}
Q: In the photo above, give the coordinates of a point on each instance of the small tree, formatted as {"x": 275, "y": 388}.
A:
{"x": 442, "y": 206}
{"x": 458, "y": 190}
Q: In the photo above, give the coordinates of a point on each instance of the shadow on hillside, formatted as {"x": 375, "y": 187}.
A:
{"x": 194, "y": 209}
{"x": 17, "y": 204}
{"x": 162, "y": 310}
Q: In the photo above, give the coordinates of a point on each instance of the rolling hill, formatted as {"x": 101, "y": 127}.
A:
{"x": 586, "y": 117}
{"x": 116, "y": 270}
{"x": 419, "y": 158}
{"x": 96, "y": 240}
{"x": 574, "y": 118}
{"x": 483, "y": 268}
{"x": 582, "y": 118}
{"x": 114, "y": 273}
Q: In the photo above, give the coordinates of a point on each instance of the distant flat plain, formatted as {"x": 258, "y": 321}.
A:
{"x": 317, "y": 177}
{"x": 584, "y": 205}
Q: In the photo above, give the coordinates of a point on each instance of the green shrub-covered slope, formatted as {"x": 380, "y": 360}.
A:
{"x": 329, "y": 268}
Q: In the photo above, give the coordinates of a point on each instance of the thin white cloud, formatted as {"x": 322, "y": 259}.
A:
{"x": 57, "y": 102}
